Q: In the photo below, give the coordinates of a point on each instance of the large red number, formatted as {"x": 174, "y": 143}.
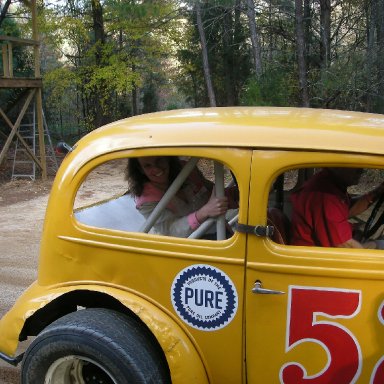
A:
{"x": 305, "y": 305}
{"x": 378, "y": 371}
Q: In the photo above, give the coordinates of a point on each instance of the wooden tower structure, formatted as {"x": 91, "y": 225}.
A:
{"x": 31, "y": 88}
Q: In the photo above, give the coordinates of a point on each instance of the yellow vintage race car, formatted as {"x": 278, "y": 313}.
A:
{"x": 122, "y": 299}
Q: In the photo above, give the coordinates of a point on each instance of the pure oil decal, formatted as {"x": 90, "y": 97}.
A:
{"x": 204, "y": 297}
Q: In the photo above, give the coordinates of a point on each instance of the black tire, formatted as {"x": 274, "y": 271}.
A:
{"x": 97, "y": 346}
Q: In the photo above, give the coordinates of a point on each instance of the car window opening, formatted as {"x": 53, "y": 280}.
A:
{"x": 123, "y": 212}
{"x": 329, "y": 207}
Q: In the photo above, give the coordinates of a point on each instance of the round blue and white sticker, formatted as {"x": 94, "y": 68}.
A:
{"x": 204, "y": 297}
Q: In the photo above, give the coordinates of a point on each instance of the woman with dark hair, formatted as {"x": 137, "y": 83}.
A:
{"x": 150, "y": 177}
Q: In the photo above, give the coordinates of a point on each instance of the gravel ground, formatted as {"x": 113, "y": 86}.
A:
{"x": 21, "y": 225}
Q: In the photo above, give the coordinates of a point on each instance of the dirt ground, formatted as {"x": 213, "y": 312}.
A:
{"x": 22, "y": 209}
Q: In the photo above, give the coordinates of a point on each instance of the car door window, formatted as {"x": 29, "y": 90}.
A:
{"x": 328, "y": 206}
{"x": 166, "y": 195}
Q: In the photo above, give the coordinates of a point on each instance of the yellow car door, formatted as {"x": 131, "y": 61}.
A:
{"x": 313, "y": 315}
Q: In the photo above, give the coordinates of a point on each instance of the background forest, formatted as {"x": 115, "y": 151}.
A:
{"x": 103, "y": 60}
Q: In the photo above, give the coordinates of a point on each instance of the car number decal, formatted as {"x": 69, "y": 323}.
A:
{"x": 378, "y": 371}
{"x": 312, "y": 315}
{"x": 305, "y": 306}
{"x": 204, "y": 297}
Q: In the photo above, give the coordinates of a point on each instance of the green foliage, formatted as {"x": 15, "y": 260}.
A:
{"x": 138, "y": 37}
{"x": 132, "y": 9}
{"x": 228, "y": 55}
{"x": 268, "y": 90}
{"x": 61, "y": 109}
{"x": 9, "y": 27}
{"x": 22, "y": 58}
{"x": 115, "y": 75}
{"x": 222, "y": 3}
{"x": 150, "y": 57}
{"x": 150, "y": 98}
{"x": 344, "y": 85}
{"x": 58, "y": 83}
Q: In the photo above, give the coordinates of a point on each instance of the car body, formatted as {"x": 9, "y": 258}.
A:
{"x": 288, "y": 314}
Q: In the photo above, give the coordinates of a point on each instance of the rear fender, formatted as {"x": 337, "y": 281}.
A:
{"x": 182, "y": 354}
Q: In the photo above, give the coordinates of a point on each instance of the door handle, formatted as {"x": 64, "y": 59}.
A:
{"x": 258, "y": 288}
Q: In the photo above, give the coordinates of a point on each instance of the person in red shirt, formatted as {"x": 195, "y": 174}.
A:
{"x": 322, "y": 208}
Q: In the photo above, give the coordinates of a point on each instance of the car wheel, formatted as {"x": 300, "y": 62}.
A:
{"x": 94, "y": 346}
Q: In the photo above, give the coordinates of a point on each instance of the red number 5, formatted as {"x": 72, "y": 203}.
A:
{"x": 378, "y": 371}
{"x": 305, "y": 305}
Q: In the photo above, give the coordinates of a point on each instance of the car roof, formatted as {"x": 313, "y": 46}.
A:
{"x": 246, "y": 127}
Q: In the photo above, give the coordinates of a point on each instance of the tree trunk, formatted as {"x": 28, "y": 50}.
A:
{"x": 325, "y": 33}
{"x": 98, "y": 29}
{"x": 236, "y": 50}
{"x": 307, "y": 27}
{"x": 228, "y": 58}
{"x": 325, "y": 47}
{"x": 203, "y": 42}
{"x": 300, "y": 49}
{"x": 380, "y": 54}
{"x": 256, "y": 51}
{"x": 135, "y": 108}
{"x": 371, "y": 26}
{"x": 4, "y": 11}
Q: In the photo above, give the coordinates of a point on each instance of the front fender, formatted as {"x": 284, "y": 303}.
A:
{"x": 183, "y": 358}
